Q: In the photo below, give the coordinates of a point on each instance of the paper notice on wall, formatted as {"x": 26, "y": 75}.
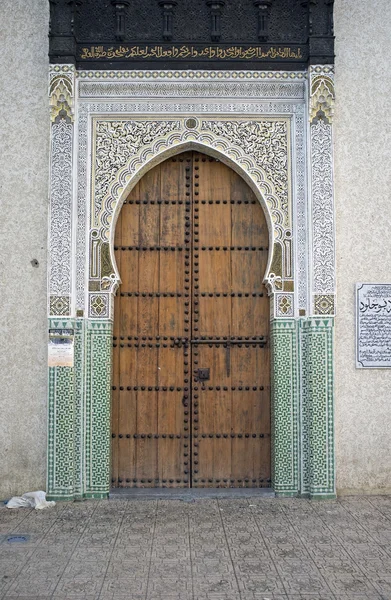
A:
{"x": 373, "y": 325}
{"x": 61, "y": 348}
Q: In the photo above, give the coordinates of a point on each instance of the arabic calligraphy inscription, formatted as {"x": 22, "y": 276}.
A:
{"x": 192, "y": 52}
{"x": 373, "y": 332}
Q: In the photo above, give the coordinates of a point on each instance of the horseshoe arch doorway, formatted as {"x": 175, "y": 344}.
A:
{"x": 191, "y": 359}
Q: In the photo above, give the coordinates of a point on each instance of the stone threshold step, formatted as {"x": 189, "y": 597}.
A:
{"x": 188, "y": 494}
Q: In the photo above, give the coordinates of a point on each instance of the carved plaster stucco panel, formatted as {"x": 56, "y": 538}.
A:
{"x": 190, "y": 89}
{"x": 322, "y": 192}
{"x": 61, "y": 99}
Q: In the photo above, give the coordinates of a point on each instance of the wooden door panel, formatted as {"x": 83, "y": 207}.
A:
{"x": 231, "y": 422}
{"x": 214, "y": 270}
{"x": 216, "y": 410}
{"x": 215, "y": 316}
{"x": 129, "y": 270}
{"x": 215, "y": 222}
{"x": 149, "y": 224}
{"x": 149, "y": 187}
{"x": 210, "y": 179}
{"x": 248, "y": 224}
{"x": 232, "y": 462}
{"x": 143, "y": 366}
{"x": 148, "y": 270}
{"x": 248, "y": 318}
{"x": 172, "y": 223}
{"x": 191, "y": 247}
{"x": 174, "y": 183}
{"x": 174, "y": 264}
{"x": 247, "y": 268}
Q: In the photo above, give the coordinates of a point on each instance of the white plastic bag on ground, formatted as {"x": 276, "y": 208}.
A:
{"x": 35, "y": 500}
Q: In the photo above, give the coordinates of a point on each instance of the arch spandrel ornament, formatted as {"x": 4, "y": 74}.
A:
{"x": 124, "y": 149}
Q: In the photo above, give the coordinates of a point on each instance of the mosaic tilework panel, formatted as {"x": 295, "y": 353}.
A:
{"x": 324, "y": 304}
{"x": 317, "y": 391}
{"x": 61, "y": 432}
{"x": 285, "y": 456}
{"x": 99, "y": 305}
{"x": 98, "y": 404}
{"x": 78, "y": 486}
{"x": 59, "y": 305}
{"x": 285, "y": 305}
{"x": 61, "y": 425}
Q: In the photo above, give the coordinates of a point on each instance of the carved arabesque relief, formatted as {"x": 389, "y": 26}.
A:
{"x": 61, "y": 97}
{"x": 259, "y": 148}
{"x": 116, "y": 142}
{"x": 322, "y": 192}
{"x": 61, "y": 100}
{"x": 322, "y": 98}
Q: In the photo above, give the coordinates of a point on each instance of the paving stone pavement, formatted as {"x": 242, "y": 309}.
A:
{"x": 207, "y": 549}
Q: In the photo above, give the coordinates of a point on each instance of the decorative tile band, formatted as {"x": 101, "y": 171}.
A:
{"x": 210, "y": 89}
{"x": 79, "y": 431}
{"x": 60, "y": 305}
{"x": 324, "y": 304}
{"x": 61, "y": 432}
{"x": 189, "y": 74}
{"x": 284, "y": 305}
{"x": 61, "y": 425}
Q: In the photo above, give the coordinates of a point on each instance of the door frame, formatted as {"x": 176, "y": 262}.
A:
{"x": 107, "y": 134}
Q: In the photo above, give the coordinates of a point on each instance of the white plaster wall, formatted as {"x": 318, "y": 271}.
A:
{"x": 363, "y": 209}
{"x": 24, "y": 159}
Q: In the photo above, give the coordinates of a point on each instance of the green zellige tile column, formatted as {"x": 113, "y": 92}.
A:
{"x": 285, "y": 442}
{"x": 98, "y": 367}
{"x": 61, "y": 426}
{"x": 317, "y": 391}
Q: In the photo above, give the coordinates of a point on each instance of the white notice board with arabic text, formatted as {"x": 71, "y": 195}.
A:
{"x": 373, "y": 325}
{"x": 61, "y": 348}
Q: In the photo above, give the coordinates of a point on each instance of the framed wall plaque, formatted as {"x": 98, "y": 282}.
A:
{"x": 373, "y": 325}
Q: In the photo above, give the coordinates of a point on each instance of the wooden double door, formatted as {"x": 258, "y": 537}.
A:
{"x": 191, "y": 374}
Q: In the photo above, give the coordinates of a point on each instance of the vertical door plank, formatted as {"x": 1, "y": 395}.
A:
{"x": 233, "y": 305}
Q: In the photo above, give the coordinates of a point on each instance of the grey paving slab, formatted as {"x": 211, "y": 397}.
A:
{"x": 199, "y": 547}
